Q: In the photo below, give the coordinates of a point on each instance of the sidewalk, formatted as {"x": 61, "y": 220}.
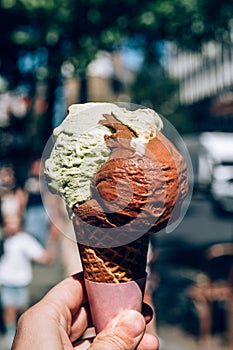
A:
{"x": 174, "y": 338}
{"x": 45, "y": 277}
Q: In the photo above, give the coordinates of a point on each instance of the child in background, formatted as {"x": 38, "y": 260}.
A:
{"x": 12, "y": 196}
{"x": 20, "y": 249}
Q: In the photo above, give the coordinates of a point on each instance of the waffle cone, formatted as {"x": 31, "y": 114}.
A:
{"x": 105, "y": 259}
{"x": 114, "y": 265}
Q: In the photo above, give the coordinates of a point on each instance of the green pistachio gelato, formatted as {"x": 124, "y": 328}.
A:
{"x": 80, "y": 148}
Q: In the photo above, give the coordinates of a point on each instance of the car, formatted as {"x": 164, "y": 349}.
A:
{"x": 219, "y": 148}
{"x": 221, "y": 189}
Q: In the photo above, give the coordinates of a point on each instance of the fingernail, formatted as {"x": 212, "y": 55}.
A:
{"x": 131, "y": 322}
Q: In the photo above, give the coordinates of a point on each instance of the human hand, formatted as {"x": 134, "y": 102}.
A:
{"x": 62, "y": 316}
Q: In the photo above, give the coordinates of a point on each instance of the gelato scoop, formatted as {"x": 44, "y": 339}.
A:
{"x": 80, "y": 147}
{"x": 121, "y": 179}
{"x": 114, "y": 167}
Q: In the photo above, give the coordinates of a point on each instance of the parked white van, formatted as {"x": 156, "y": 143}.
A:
{"x": 218, "y": 160}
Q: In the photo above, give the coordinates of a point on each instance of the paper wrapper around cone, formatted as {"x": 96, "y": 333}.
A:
{"x": 108, "y": 299}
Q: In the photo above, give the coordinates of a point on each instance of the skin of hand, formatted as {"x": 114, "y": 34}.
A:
{"x": 59, "y": 319}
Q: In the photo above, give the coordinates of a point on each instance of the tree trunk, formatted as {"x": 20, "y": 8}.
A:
{"x": 83, "y": 93}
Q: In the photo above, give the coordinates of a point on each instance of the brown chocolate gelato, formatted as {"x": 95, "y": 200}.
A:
{"x": 131, "y": 184}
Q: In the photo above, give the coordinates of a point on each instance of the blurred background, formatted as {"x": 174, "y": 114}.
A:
{"x": 175, "y": 56}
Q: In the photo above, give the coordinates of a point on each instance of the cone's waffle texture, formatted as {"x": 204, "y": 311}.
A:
{"x": 114, "y": 265}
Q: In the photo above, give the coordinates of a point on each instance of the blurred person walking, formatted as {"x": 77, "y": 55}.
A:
{"x": 36, "y": 220}
{"x": 12, "y": 196}
{"x": 19, "y": 250}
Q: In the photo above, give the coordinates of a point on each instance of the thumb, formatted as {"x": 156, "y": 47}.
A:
{"x": 124, "y": 332}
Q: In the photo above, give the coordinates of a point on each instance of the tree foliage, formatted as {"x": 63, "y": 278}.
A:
{"x": 74, "y": 30}
{"x": 70, "y": 32}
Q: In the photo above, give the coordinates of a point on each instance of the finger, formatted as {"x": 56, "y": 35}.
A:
{"x": 124, "y": 332}
{"x": 80, "y": 323}
{"x": 69, "y": 294}
{"x": 82, "y": 345}
{"x": 148, "y": 342}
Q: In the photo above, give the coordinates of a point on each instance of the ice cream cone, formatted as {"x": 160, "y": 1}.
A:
{"x": 121, "y": 179}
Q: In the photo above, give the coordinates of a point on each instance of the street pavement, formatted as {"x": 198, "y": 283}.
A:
{"x": 45, "y": 277}
{"x": 174, "y": 338}
{"x": 200, "y": 227}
